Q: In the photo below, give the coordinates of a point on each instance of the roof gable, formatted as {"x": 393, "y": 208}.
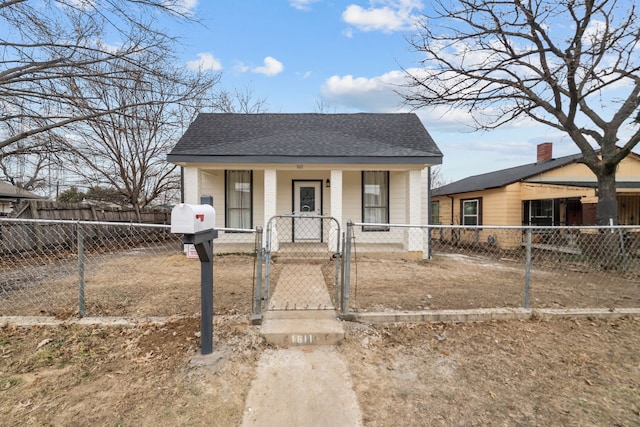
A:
{"x": 289, "y": 138}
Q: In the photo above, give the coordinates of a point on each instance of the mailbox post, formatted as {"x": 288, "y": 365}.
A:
{"x": 196, "y": 223}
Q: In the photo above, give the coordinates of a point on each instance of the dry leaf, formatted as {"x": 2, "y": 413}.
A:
{"x": 43, "y": 343}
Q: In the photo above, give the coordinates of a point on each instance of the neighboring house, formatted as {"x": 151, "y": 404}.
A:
{"x": 549, "y": 192}
{"x": 371, "y": 168}
{"x": 10, "y": 196}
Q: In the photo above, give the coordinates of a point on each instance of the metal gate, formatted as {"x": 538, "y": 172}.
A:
{"x": 302, "y": 263}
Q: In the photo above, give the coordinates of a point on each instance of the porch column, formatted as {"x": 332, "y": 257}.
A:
{"x": 413, "y": 236}
{"x": 192, "y": 185}
{"x": 336, "y": 208}
{"x": 270, "y": 197}
{"x": 425, "y": 197}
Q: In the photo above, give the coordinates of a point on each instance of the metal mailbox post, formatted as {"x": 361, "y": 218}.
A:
{"x": 196, "y": 224}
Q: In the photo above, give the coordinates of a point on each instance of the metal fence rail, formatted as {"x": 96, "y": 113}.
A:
{"x": 484, "y": 267}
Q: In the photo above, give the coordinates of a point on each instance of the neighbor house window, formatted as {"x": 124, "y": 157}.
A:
{"x": 435, "y": 213}
{"x": 471, "y": 211}
{"x": 238, "y": 199}
{"x": 541, "y": 212}
{"x": 375, "y": 200}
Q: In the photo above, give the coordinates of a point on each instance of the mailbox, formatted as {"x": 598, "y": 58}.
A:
{"x": 192, "y": 219}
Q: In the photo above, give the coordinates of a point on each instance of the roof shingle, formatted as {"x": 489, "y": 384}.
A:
{"x": 503, "y": 177}
{"x": 292, "y": 137}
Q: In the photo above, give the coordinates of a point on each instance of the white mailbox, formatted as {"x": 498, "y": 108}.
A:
{"x": 191, "y": 219}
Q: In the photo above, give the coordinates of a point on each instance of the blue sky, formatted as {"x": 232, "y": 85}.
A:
{"x": 346, "y": 56}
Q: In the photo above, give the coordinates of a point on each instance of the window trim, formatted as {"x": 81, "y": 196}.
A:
{"x": 478, "y": 214}
{"x": 530, "y": 217}
{"x": 226, "y": 199}
{"x": 435, "y": 211}
{"x": 363, "y": 207}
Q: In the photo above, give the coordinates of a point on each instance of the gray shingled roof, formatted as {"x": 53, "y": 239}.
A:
{"x": 8, "y": 191}
{"x": 503, "y": 177}
{"x": 306, "y": 138}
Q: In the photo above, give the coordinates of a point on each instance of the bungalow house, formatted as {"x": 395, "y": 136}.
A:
{"x": 370, "y": 168}
{"x": 550, "y": 192}
{"x": 10, "y": 196}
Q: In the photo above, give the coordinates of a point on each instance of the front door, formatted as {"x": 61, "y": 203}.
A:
{"x": 307, "y": 202}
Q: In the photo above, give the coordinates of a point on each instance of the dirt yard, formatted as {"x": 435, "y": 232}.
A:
{"x": 141, "y": 284}
{"x": 560, "y": 372}
{"x": 500, "y": 373}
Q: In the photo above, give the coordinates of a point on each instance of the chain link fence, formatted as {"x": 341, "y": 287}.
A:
{"x": 302, "y": 262}
{"x": 401, "y": 267}
{"x": 77, "y": 268}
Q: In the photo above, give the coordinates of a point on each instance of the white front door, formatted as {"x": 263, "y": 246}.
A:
{"x": 307, "y": 201}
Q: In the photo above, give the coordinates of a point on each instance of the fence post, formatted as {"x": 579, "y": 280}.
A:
{"x": 80, "y": 237}
{"x": 257, "y": 302}
{"x": 623, "y": 251}
{"x": 267, "y": 263}
{"x": 346, "y": 285}
{"x": 527, "y": 274}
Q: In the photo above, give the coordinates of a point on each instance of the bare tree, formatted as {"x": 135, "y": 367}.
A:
{"x": 47, "y": 46}
{"x": 569, "y": 64}
{"x": 126, "y": 149}
{"x": 239, "y": 101}
{"x": 29, "y": 164}
{"x": 437, "y": 178}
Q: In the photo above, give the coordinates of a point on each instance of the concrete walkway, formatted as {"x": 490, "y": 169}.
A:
{"x": 302, "y": 386}
{"x": 308, "y": 383}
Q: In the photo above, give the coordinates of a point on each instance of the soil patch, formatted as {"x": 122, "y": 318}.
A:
{"x": 559, "y": 372}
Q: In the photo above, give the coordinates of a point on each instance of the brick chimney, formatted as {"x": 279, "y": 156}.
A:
{"x": 545, "y": 152}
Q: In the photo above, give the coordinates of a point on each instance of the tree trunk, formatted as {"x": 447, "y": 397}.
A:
{"x": 607, "y": 211}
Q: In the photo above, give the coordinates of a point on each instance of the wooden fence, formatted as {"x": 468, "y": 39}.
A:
{"x": 51, "y": 210}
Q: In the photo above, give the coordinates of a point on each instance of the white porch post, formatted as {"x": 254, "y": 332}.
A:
{"x": 336, "y": 208}
{"x": 426, "y": 209}
{"x": 413, "y": 237}
{"x": 270, "y": 197}
{"x": 192, "y": 185}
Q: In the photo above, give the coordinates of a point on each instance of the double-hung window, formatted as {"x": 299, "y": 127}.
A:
{"x": 471, "y": 211}
{"x": 375, "y": 200}
{"x": 238, "y": 199}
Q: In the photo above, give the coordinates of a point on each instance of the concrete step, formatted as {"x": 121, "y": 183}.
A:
{"x": 309, "y": 327}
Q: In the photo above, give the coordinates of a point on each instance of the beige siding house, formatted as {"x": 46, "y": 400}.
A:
{"x": 369, "y": 168}
{"x": 549, "y": 192}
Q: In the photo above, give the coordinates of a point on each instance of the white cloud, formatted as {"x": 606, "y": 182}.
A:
{"x": 365, "y": 94}
{"x": 270, "y": 68}
{"x": 184, "y": 7}
{"x": 205, "y": 61}
{"x": 380, "y": 95}
{"x": 384, "y": 15}
{"x": 301, "y": 4}
{"x": 79, "y": 4}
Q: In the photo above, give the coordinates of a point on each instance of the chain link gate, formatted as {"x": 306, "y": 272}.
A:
{"x": 302, "y": 263}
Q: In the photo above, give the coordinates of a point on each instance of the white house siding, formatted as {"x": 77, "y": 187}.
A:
{"x": 336, "y": 200}
{"x": 399, "y": 212}
{"x": 258, "y": 198}
{"x": 202, "y": 179}
{"x": 351, "y": 196}
{"x": 192, "y": 191}
{"x": 285, "y": 188}
{"x": 397, "y": 197}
